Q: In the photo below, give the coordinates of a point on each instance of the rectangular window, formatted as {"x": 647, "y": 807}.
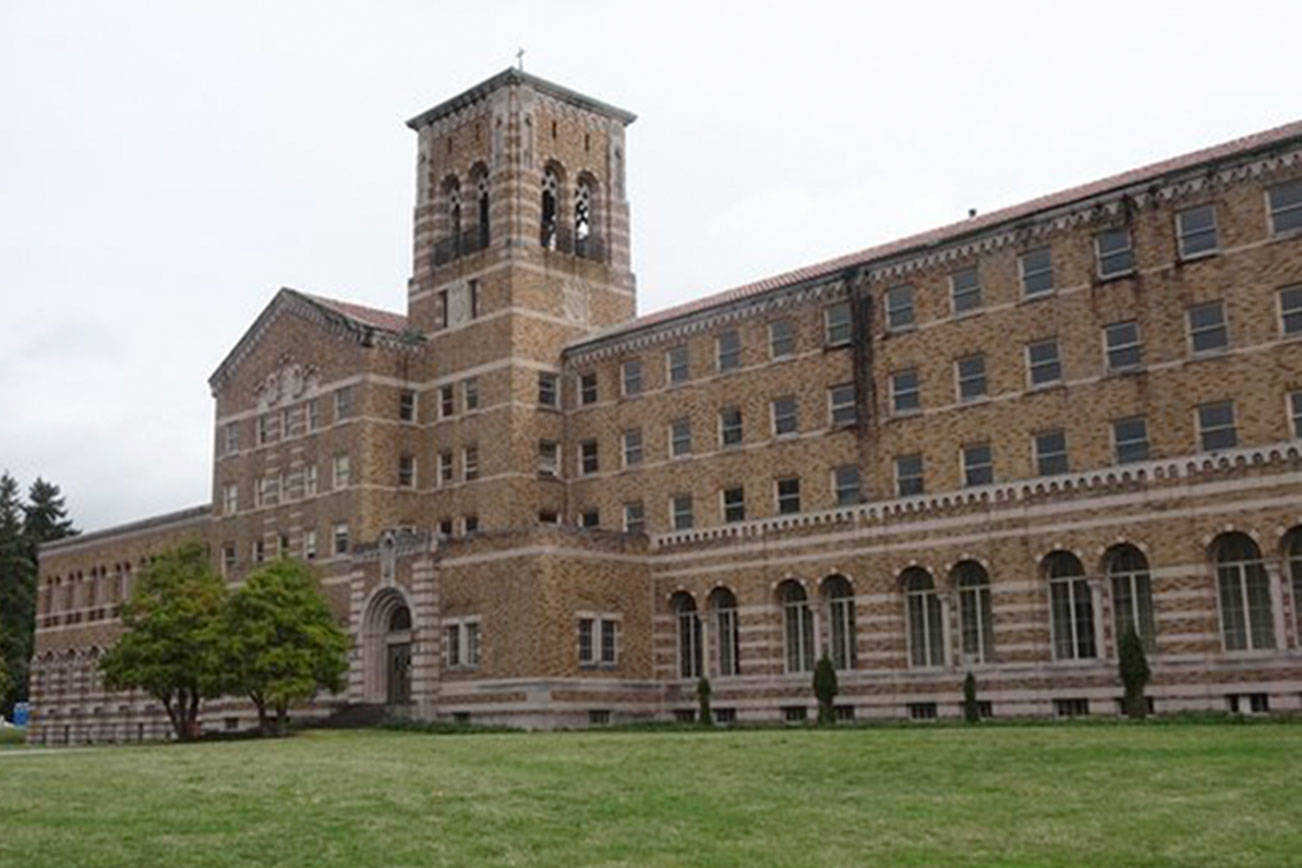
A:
{"x": 676, "y": 364}
{"x": 1121, "y": 342}
{"x": 341, "y": 473}
{"x": 589, "y": 518}
{"x": 965, "y": 291}
{"x": 782, "y": 339}
{"x": 1290, "y": 310}
{"x": 341, "y": 538}
{"x": 785, "y": 418}
{"x": 231, "y": 502}
{"x": 588, "y": 388}
{"x": 788, "y": 491}
{"x": 632, "y": 447}
{"x": 680, "y": 437}
{"x": 729, "y": 350}
{"x": 841, "y": 404}
{"x": 470, "y": 523}
{"x": 1131, "y": 439}
{"x": 547, "y": 396}
{"x": 845, "y": 484}
{"x": 609, "y": 641}
{"x": 284, "y": 423}
{"x": 1286, "y": 207}
{"x": 447, "y": 402}
{"x": 406, "y": 471}
{"x": 1196, "y": 230}
{"x": 837, "y": 328}
{"x": 730, "y": 426}
{"x": 546, "y": 458}
{"x": 445, "y": 527}
{"x": 264, "y": 429}
{"x": 309, "y": 480}
{"x": 1216, "y": 426}
{"x": 905, "y": 395}
{"x": 1051, "y": 453}
{"x": 259, "y": 551}
{"x": 407, "y": 405}
{"x": 313, "y": 414}
{"x": 588, "y": 457}
{"x": 470, "y": 394}
{"x": 472, "y": 291}
{"x": 309, "y": 545}
{"x": 1295, "y": 412}
{"x": 908, "y": 475}
{"x": 344, "y": 402}
{"x": 632, "y": 377}
{"x": 734, "y": 504}
{"x": 232, "y": 437}
{"x": 470, "y": 462}
{"x": 680, "y": 508}
{"x": 1114, "y": 254}
{"x": 971, "y": 374}
{"x": 1037, "y": 272}
{"x": 978, "y": 464}
{"x": 441, "y": 300}
{"x": 452, "y": 644}
{"x": 1042, "y": 363}
{"x": 899, "y": 308}
{"x": 634, "y": 517}
{"x": 1207, "y": 329}
{"x": 446, "y": 472}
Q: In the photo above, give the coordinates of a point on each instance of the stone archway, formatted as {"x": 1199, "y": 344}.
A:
{"x": 386, "y": 649}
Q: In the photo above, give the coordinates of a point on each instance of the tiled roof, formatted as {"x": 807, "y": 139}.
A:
{"x": 368, "y": 316}
{"x": 1244, "y": 145}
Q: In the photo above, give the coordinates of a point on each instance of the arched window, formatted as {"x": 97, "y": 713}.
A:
{"x": 479, "y": 177}
{"x": 1293, "y": 551}
{"x": 728, "y": 641}
{"x": 1071, "y": 607}
{"x": 926, "y": 630}
{"x": 974, "y": 611}
{"x": 551, "y": 186}
{"x": 452, "y": 198}
{"x": 400, "y": 619}
{"x": 1247, "y": 620}
{"x": 797, "y": 626}
{"x": 1132, "y": 594}
{"x": 585, "y": 242}
{"x": 839, "y": 597}
{"x": 689, "y": 635}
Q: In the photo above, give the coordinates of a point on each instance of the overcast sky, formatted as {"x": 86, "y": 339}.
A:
{"x": 166, "y": 166}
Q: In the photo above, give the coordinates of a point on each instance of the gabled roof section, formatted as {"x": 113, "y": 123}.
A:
{"x": 367, "y": 323}
{"x": 509, "y": 76}
{"x": 1277, "y": 138}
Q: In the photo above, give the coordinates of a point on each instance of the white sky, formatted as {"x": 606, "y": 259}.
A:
{"x": 166, "y": 166}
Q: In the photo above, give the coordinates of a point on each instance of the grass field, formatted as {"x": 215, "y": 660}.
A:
{"x": 1193, "y": 794}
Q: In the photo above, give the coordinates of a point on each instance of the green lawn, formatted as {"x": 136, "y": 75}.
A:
{"x": 1192, "y": 794}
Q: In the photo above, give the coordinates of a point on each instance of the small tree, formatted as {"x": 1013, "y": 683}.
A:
{"x": 283, "y": 642}
{"x": 971, "y": 709}
{"x": 1133, "y": 664}
{"x": 703, "y": 700}
{"x": 825, "y": 689}
{"x": 172, "y": 648}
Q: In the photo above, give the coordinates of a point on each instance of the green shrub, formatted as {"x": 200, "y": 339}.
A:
{"x": 1133, "y": 665}
{"x": 705, "y": 716}
{"x": 825, "y": 689}
{"x": 971, "y": 710}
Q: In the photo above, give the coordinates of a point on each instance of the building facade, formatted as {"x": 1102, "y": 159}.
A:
{"x": 988, "y": 448}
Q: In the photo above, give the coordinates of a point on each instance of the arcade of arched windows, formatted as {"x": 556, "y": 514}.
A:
{"x": 83, "y": 596}
{"x": 462, "y": 214}
{"x": 950, "y": 621}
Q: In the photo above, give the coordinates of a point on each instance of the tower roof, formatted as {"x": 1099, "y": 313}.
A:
{"x": 510, "y": 76}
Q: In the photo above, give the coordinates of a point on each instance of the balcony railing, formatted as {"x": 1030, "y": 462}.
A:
{"x": 563, "y": 240}
{"x": 469, "y": 241}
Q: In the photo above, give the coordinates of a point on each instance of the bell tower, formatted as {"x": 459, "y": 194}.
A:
{"x": 521, "y": 245}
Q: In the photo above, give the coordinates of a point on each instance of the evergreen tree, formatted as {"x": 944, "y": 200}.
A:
{"x": 703, "y": 699}
{"x": 283, "y": 644}
{"x": 173, "y": 647}
{"x": 971, "y": 710}
{"x": 1133, "y": 666}
{"x": 45, "y": 517}
{"x": 17, "y": 595}
{"x": 825, "y": 689}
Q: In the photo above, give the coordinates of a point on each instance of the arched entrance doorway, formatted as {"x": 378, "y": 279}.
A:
{"x": 387, "y": 639}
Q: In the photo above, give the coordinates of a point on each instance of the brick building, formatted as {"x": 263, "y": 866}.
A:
{"x": 985, "y": 448}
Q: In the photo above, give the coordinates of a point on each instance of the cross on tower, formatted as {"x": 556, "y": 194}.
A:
{"x": 519, "y": 58}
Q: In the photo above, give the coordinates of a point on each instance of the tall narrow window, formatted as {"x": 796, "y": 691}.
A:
{"x": 632, "y": 377}
{"x": 975, "y": 616}
{"x": 798, "y": 627}
{"x": 785, "y": 417}
{"x": 689, "y": 635}
{"x": 1207, "y": 330}
{"x": 1121, "y": 342}
{"x": 734, "y": 504}
{"x": 1293, "y": 551}
{"x": 550, "y": 193}
{"x": 782, "y": 338}
{"x": 1130, "y": 437}
{"x": 676, "y": 364}
{"x": 905, "y": 394}
{"x": 841, "y": 401}
{"x": 547, "y": 393}
{"x": 481, "y": 195}
{"x": 1196, "y": 228}
{"x": 926, "y": 630}
{"x": 899, "y": 308}
{"x": 680, "y": 507}
{"x": 788, "y": 495}
{"x": 582, "y": 216}
{"x": 1132, "y": 594}
{"x": 634, "y": 517}
{"x": 1290, "y": 310}
{"x": 588, "y": 457}
{"x": 723, "y": 605}
{"x": 838, "y": 596}
{"x": 680, "y": 437}
{"x": 1247, "y": 618}
{"x": 1043, "y": 365}
{"x": 908, "y": 475}
{"x": 1037, "y": 273}
{"x": 1216, "y": 428}
{"x": 1051, "y": 452}
{"x": 971, "y": 376}
{"x": 845, "y": 484}
{"x": 1115, "y": 256}
{"x": 978, "y": 464}
{"x": 838, "y": 328}
{"x": 1286, "y": 206}
{"x": 730, "y": 426}
{"x": 632, "y": 447}
{"x": 965, "y": 291}
{"x": 1071, "y": 607}
{"x": 588, "y": 388}
{"x": 728, "y": 348}
{"x": 407, "y": 405}
{"x": 452, "y": 190}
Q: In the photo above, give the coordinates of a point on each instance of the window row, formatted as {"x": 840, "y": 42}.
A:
{"x": 1196, "y": 232}
{"x": 262, "y": 550}
{"x": 270, "y": 427}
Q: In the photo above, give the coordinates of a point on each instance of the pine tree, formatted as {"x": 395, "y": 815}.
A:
{"x": 17, "y": 595}
{"x": 971, "y": 709}
{"x": 703, "y": 699}
{"x": 45, "y": 517}
{"x": 825, "y": 689}
{"x": 1133, "y": 666}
